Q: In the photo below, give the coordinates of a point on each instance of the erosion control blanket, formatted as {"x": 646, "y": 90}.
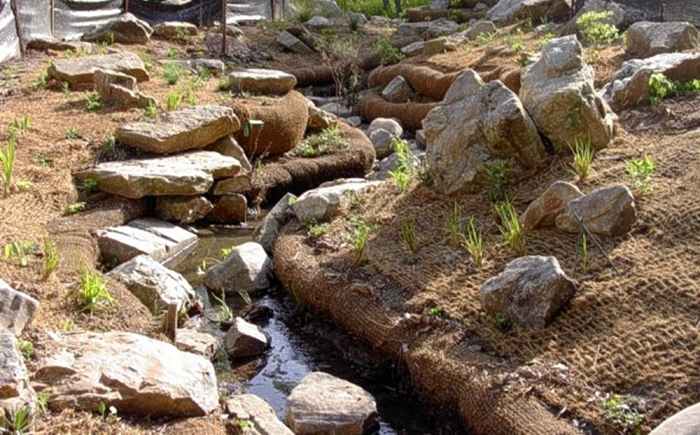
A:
{"x": 9, "y": 43}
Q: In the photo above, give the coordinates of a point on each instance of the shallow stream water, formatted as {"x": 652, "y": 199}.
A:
{"x": 301, "y": 344}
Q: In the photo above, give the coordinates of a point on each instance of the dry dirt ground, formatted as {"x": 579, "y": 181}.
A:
{"x": 636, "y": 334}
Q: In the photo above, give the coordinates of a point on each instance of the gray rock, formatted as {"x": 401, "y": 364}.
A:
{"x": 480, "y": 7}
{"x": 558, "y": 92}
{"x": 388, "y": 164}
{"x": 164, "y": 242}
{"x": 17, "y": 309}
{"x": 319, "y": 23}
{"x": 245, "y": 340}
{"x": 647, "y": 39}
{"x": 128, "y": 371}
{"x": 439, "y": 5}
{"x": 262, "y": 81}
{"x": 231, "y": 208}
{"x": 228, "y": 146}
{"x": 354, "y": 121}
{"x": 327, "y": 8}
{"x": 379, "y": 21}
{"x": 684, "y": 422}
{"x": 338, "y": 109}
{"x": 198, "y": 343}
{"x": 630, "y": 85}
{"x": 319, "y": 119}
{"x": 356, "y": 18}
{"x": 215, "y": 66}
{"x": 465, "y": 134}
{"x": 421, "y": 141}
{"x": 543, "y": 211}
{"x": 190, "y": 173}
{"x": 153, "y": 284}
{"x": 412, "y": 29}
{"x": 437, "y": 46}
{"x": 120, "y": 89}
{"x": 126, "y": 29}
{"x": 511, "y": 10}
{"x": 382, "y": 132}
{"x": 175, "y": 30}
{"x": 441, "y": 27}
{"x": 81, "y": 70}
{"x": 276, "y": 218}
{"x": 44, "y": 44}
{"x": 610, "y": 211}
{"x": 185, "y": 129}
{"x": 230, "y": 186}
{"x": 413, "y": 49}
{"x": 397, "y": 91}
{"x": 322, "y": 403}
{"x": 293, "y": 44}
{"x": 182, "y": 209}
{"x": 392, "y": 125}
{"x": 529, "y": 292}
{"x": 15, "y": 390}
{"x": 245, "y": 269}
{"x": 249, "y": 407}
{"x": 479, "y": 28}
{"x": 324, "y": 202}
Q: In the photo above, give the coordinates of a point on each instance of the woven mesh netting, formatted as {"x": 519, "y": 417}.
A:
{"x": 635, "y": 335}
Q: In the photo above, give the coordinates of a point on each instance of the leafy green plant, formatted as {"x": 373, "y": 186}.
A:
{"x": 65, "y": 88}
{"x": 621, "y": 415}
{"x": 496, "y": 179}
{"x": 24, "y": 185}
{"x": 174, "y": 100}
{"x": 172, "y": 73}
{"x": 408, "y": 234}
{"x": 328, "y": 140}
{"x": 72, "y": 133}
{"x": 454, "y": 225}
{"x": 150, "y": 111}
{"x": 42, "y": 81}
{"x": 27, "y": 348}
{"x": 659, "y": 87}
{"x": 438, "y": 311}
{"x": 388, "y": 54}
{"x": 510, "y": 226}
{"x": 641, "y": 170}
{"x": 93, "y": 292}
{"x": 42, "y": 400}
{"x": 597, "y": 28}
{"x": 51, "y": 257}
{"x": 486, "y": 37}
{"x": 93, "y": 102}
{"x": 110, "y": 37}
{"x": 497, "y": 322}
{"x": 303, "y": 10}
{"x": 225, "y": 252}
{"x": 20, "y": 251}
{"x": 89, "y": 184}
{"x": 406, "y": 164}
{"x": 7, "y": 158}
{"x": 76, "y": 207}
{"x": 544, "y": 39}
{"x": 583, "y": 157}
{"x": 316, "y": 229}
{"x": 225, "y": 84}
{"x": 173, "y": 53}
{"x": 19, "y": 423}
{"x": 110, "y": 149}
{"x": 473, "y": 242}
{"x": 358, "y": 238}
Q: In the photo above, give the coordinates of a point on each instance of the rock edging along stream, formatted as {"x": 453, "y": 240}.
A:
{"x": 442, "y": 367}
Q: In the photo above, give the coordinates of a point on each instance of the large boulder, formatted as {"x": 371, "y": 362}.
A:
{"x": 153, "y": 284}
{"x": 182, "y": 209}
{"x": 190, "y": 173}
{"x": 479, "y": 28}
{"x": 543, "y": 211}
{"x": 511, "y": 10}
{"x": 120, "y": 89}
{"x": 128, "y": 371}
{"x": 245, "y": 269}
{"x": 609, "y": 211}
{"x": 630, "y": 85}
{"x": 486, "y": 122}
{"x": 81, "y": 70}
{"x": 126, "y": 29}
{"x": 558, "y": 92}
{"x": 164, "y": 242}
{"x": 648, "y": 39}
{"x": 17, "y": 309}
{"x": 382, "y": 132}
{"x": 229, "y": 208}
{"x": 15, "y": 391}
{"x": 322, "y": 403}
{"x": 274, "y": 220}
{"x": 244, "y": 340}
{"x": 262, "y": 81}
{"x": 324, "y": 202}
{"x": 262, "y": 418}
{"x": 529, "y": 292}
{"x": 185, "y": 129}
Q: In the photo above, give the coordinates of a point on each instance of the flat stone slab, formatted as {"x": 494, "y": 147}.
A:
{"x": 81, "y": 70}
{"x": 190, "y": 173}
{"x": 186, "y": 129}
{"x": 262, "y": 81}
{"x": 164, "y": 242}
{"x": 17, "y": 309}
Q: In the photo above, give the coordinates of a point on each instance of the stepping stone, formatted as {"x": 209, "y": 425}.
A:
{"x": 186, "y": 129}
{"x": 16, "y": 309}
{"x": 190, "y": 173}
{"x": 262, "y": 81}
{"x": 164, "y": 242}
{"x": 81, "y": 70}
{"x": 120, "y": 89}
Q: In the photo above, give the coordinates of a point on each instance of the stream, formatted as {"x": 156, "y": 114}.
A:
{"x": 300, "y": 344}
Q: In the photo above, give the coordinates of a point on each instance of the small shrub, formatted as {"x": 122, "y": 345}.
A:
{"x": 454, "y": 225}
{"x": 173, "y": 53}
{"x": 641, "y": 170}
{"x": 89, "y": 185}
{"x": 473, "y": 242}
{"x": 93, "y": 291}
{"x": 72, "y": 133}
{"x": 304, "y": 10}
{"x": 583, "y": 157}
{"x": 76, "y": 207}
{"x": 544, "y": 39}
{"x": 110, "y": 150}
{"x": 174, "y": 100}
{"x": 7, "y": 158}
{"x": 42, "y": 400}
{"x": 406, "y": 164}
{"x": 408, "y": 234}
{"x": 328, "y": 140}
{"x": 510, "y": 226}
{"x": 51, "y": 257}
{"x": 225, "y": 84}
{"x": 147, "y": 61}
{"x": 388, "y": 54}
{"x": 496, "y": 179}
{"x": 172, "y": 73}
{"x": 659, "y": 88}
{"x": 150, "y": 111}
{"x": 93, "y": 102}
{"x": 42, "y": 80}
{"x": 596, "y": 28}
{"x": 401, "y": 178}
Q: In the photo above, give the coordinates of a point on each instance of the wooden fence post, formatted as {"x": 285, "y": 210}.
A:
{"x": 18, "y": 29}
{"x": 170, "y": 322}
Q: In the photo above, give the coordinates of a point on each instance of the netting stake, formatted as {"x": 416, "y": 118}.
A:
{"x": 600, "y": 248}
{"x": 223, "y": 27}
{"x": 13, "y": 6}
{"x": 53, "y": 18}
{"x": 126, "y": 6}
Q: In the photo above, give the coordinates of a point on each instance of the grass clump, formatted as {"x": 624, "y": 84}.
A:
{"x": 329, "y": 139}
{"x": 7, "y": 158}
{"x": 20, "y": 126}
{"x": 223, "y": 311}
{"x": 51, "y": 257}
{"x": 172, "y": 73}
{"x": 473, "y": 242}
{"x": 20, "y": 251}
{"x": 641, "y": 170}
{"x": 583, "y": 158}
{"x": 93, "y": 102}
{"x": 150, "y": 111}
{"x": 510, "y": 226}
{"x": 406, "y": 164}
{"x": 408, "y": 234}
{"x": 358, "y": 238}
{"x": 72, "y": 133}
{"x": 174, "y": 100}
{"x": 388, "y": 54}
{"x": 597, "y": 29}
{"x": 18, "y": 423}
{"x": 93, "y": 291}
